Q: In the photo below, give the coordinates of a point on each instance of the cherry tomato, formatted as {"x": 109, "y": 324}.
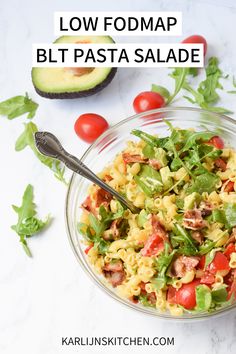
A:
{"x": 221, "y": 164}
{"x": 153, "y": 245}
{"x": 90, "y": 126}
{"x": 197, "y": 39}
{"x": 229, "y": 187}
{"x": 229, "y": 250}
{"x": 220, "y": 262}
{"x": 201, "y": 264}
{"x": 207, "y": 278}
{"x": 145, "y": 101}
{"x": 217, "y": 142}
{"x": 186, "y": 295}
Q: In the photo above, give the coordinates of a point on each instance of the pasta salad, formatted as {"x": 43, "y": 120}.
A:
{"x": 178, "y": 253}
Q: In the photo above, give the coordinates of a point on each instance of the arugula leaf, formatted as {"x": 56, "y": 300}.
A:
{"x": 205, "y": 96}
{"x": 17, "y": 106}
{"x": 27, "y": 139}
{"x": 219, "y": 295}
{"x": 161, "y": 90}
{"x": 28, "y": 224}
{"x": 179, "y": 75}
{"x": 148, "y": 138}
{"x": 208, "y": 87}
{"x": 162, "y": 263}
{"x": 203, "y": 298}
{"x": 206, "y": 182}
{"x": 206, "y": 247}
{"x": 181, "y": 237}
{"x": 194, "y": 137}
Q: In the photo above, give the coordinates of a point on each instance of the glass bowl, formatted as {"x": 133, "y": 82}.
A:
{"x": 102, "y": 152}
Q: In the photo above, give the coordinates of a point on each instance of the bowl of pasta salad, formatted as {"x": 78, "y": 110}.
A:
{"x": 175, "y": 258}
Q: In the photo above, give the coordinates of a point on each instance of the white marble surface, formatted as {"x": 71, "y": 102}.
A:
{"x": 49, "y": 296}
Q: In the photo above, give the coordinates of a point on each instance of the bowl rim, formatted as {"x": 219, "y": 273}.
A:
{"x": 90, "y": 272}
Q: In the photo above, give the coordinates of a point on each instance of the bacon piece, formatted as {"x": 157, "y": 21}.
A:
{"x": 220, "y": 164}
{"x": 128, "y": 158}
{"x": 115, "y": 278}
{"x": 155, "y": 243}
{"x": 197, "y": 236}
{"x": 150, "y": 296}
{"x": 114, "y": 266}
{"x": 193, "y": 220}
{"x": 102, "y": 197}
{"x": 88, "y": 205}
{"x": 107, "y": 178}
{"x": 113, "y": 233}
{"x": 154, "y": 163}
{"x": 184, "y": 264}
{"x": 114, "y": 272}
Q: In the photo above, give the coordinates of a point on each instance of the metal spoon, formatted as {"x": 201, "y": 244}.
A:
{"x": 49, "y": 145}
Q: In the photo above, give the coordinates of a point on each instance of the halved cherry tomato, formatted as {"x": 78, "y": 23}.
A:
{"x": 207, "y": 278}
{"x": 153, "y": 245}
{"x": 197, "y": 39}
{"x": 145, "y": 101}
{"x": 217, "y": 142}
{"x": 229, "y": 187}
{"x": 221, "y": 164}
{"x": 229, "y": 250}
{"x": 220, "y": 262}
{"x": 186, "y": 295}
{"x": 90, "y": 126}
{"x": 201, "y": 264}
{"x": 171, "y": 295}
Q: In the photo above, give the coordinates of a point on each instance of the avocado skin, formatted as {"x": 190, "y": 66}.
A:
{"x": 86, "y": 93}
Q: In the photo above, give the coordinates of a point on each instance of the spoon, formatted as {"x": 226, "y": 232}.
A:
{"x": 49, "y": 145}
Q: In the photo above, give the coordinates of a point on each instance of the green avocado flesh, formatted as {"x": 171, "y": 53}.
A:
{"x": 73, "y": 82}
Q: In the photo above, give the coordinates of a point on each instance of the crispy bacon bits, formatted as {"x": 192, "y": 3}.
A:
{"x": 184, "y": 264}
{"x": 193, "y": 220}
{"x": 114, "y": 272}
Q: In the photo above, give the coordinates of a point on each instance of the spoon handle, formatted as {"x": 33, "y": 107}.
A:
{"x": 49, "y": 145}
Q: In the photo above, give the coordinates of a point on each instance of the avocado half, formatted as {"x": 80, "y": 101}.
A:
{"x": 73, "y": 82}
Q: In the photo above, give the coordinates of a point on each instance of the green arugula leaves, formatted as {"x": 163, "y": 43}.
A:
{"x": 17, "y": 106}
{"x": 225, "y": 216}
{"x": 162, "y": 263}
{"x": 28, "y": 224}
{"x": 205, "y": 182}
{"x": 27, "y": 139}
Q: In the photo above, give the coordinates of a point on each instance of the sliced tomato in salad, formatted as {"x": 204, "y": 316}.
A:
{"x": 217, "y": 142}
{"x": 185, "y": 296}
{"x": 229, "y": 250}
{"x": 230, "y": 280}
{"x": 207, "y": 278}
{"x": 87, "y": 249}
{"x": 153, "y": 246}
{"x": 219, "y": 263}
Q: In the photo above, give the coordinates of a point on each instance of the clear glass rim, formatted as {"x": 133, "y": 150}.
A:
{"x": 88, "y": 270}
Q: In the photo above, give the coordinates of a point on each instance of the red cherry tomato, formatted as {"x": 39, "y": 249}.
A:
{"x": 145, "y": 101}
{"x": 221, "y": 164}
{"x": 220, "y": 262}
{"x": 153, "y": 245}
{"x": 90, "y": 126}
{"x": 217, "y": 142}
{"x": 171, "y": 295}
{"x": 207, "y": 278}
{"x": 229, "y": 250}
{"x": 186, "y": 295}
{"x": 229, "y": 187}
{"x": 201, "y": 264}
{"x": 197, "y": 39}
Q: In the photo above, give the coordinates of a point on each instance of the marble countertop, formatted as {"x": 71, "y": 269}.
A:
{"x": 49, "y": 296}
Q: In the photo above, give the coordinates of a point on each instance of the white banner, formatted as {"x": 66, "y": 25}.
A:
{"x": 118, "y": 55}
{"x": 118, "y": 23}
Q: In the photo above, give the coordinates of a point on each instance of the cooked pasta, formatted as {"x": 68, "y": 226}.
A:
{"x": 178, "y": 253}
